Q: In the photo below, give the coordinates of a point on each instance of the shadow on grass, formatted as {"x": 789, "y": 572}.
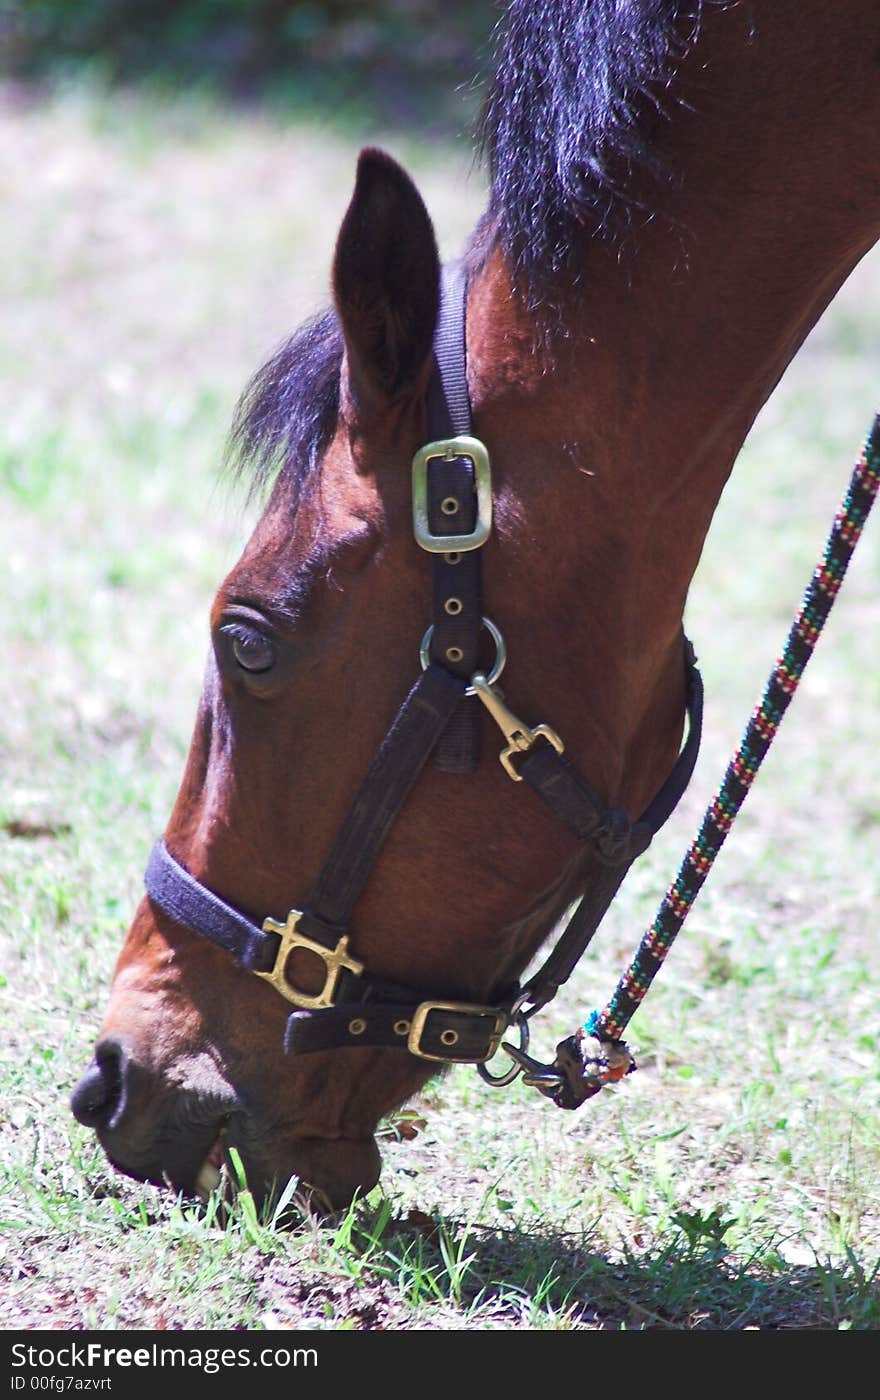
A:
{"x": 369, "y": 1268}
{"x": 552, "y": 1279}
{"x": 532, "y": 1277}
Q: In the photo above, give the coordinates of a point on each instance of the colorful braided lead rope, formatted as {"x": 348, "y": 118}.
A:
{"x": 609, "y": 1024}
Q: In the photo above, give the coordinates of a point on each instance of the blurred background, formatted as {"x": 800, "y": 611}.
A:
{"x": 173, "y": 178}
{"x": 403, "y": 58}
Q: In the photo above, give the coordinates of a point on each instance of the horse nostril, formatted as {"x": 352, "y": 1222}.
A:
{"x": 100, "y": 1095}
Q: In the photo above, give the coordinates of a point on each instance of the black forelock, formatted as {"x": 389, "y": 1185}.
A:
{"x": 288, "y": 412}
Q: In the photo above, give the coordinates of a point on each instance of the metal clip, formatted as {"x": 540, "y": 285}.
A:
{"x": 520, "y": 737}
{"x": 537, "y": 1075}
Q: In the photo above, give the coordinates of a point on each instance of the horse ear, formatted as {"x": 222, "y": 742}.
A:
{"x": 386, "y": 276}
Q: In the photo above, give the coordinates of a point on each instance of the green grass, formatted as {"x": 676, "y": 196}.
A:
{"x": 156, "y": 255}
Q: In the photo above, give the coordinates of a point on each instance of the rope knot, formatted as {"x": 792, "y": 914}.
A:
{"x": 587, "y": 1064}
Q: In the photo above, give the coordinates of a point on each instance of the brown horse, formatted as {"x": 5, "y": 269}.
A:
{"x": 677, "y": 191}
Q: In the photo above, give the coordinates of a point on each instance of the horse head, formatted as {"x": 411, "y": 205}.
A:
{"x": 315, "y": 637}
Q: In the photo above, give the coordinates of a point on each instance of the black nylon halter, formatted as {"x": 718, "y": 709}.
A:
{"x": 440, "y": 718}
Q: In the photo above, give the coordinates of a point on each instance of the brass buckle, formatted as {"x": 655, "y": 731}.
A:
{"x": 334, "y": 959}
{"x": 420, "y": 1018}
{"x": 449, "y": 448}
{"x": 520, "y": 736}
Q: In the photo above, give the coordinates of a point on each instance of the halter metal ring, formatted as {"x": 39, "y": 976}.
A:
{"x": 497, "y": 1081}
{"x": 497, "y": 665}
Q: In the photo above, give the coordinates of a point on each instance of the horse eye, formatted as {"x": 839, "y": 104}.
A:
{"x": 252, "y": 649}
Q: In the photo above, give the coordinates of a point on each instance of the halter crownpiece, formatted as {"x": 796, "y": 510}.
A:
{"x": 440, "y": 719}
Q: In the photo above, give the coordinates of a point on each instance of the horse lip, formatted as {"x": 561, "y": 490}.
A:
{"x": 171, "y": 1162}
{"x": 222, "y": 1157}
{"x": 210, "y": 1173}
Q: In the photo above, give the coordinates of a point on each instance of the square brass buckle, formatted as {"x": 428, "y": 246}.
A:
{"x": 334, "y": 959}
{"x": 449, "y": 1037}
{"x": 449, "y": 448}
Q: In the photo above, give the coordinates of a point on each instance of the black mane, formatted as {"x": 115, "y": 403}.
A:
{"x": 567, "y": 120}
{"x": 572, "y": 84}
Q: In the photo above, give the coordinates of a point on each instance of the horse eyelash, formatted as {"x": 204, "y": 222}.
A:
{"x": 243, "y": 632}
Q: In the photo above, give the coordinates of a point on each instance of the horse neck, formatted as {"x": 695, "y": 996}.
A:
{"x": 613, "y": 437}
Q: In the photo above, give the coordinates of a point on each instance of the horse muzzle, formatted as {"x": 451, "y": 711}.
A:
{"x": 155, "y": 1131}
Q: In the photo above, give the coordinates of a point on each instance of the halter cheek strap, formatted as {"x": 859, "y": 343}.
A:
{"x": 440, "y": 716}
{"x": 452, "y": 509}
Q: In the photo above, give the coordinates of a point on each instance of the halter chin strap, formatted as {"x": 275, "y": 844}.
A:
{"x": 440, "y": 716}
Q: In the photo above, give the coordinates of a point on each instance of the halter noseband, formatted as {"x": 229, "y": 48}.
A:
{"x": 439, "y": 719}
